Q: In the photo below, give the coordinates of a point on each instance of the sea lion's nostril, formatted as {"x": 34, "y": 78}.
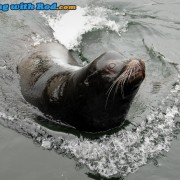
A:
{"x": 111, "y": 65}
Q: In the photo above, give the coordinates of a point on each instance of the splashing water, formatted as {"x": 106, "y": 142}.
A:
{"x": 37, "y": 39}
{"x": 123, "y": 152}
{"x": 70, "y": 27}
{"x": 117, "y": 154}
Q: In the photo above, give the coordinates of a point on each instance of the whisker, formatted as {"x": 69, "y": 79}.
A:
{"x": 109, "y": 92}
{"x": 120, "y": 78}
{"x": 130, "y": 72}
{"x": 111, "y": 87}
{"x": 117, "y": 85}
{"x": 140, "y": 68}
{"x": 122, "y": 87}
{"x": 122, "y": 81}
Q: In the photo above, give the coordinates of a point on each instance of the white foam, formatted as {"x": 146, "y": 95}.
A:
{"x": 69, "y": 28}
{"x": 65, "y": 65}
{"x": 4, "y": 116}
{"x": 37, "y": 39}
{"x": 3, "y": 67}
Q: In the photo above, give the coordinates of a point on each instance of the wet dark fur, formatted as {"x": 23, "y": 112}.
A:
{"x": 94, "y": 98}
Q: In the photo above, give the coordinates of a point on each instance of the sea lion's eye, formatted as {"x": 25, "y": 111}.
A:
{"x": 111, "y": 66}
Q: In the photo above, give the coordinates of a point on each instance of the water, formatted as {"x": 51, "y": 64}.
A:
{"x": 21, "y": 159}
{"x": 145, "y": 29}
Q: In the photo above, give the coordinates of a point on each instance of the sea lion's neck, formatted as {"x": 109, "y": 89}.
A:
{"x": 56, "y": 87}
{"x": 62, "y": 85}
{"x": 78, "y": 76}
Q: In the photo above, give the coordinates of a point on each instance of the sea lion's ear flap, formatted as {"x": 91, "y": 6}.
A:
{"x": 86, "y": 82}
{"x": 91, "y": 68}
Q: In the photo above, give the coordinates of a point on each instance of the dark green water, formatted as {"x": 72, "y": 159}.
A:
{"x": 149, "y": 30}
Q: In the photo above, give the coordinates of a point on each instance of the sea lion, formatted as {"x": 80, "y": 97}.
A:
{"x": 93, "y": 98}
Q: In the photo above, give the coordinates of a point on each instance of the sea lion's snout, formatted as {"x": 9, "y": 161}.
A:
{"x": 135, "y": 71}
{"x": 125, "y": 77}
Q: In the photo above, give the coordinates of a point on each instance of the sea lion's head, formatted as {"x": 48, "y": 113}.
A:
{"x": 118, "y": 75}
{"x": 109, "y": 86}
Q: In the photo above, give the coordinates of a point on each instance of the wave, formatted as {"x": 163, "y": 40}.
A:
{"x": 70, "y": 27}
